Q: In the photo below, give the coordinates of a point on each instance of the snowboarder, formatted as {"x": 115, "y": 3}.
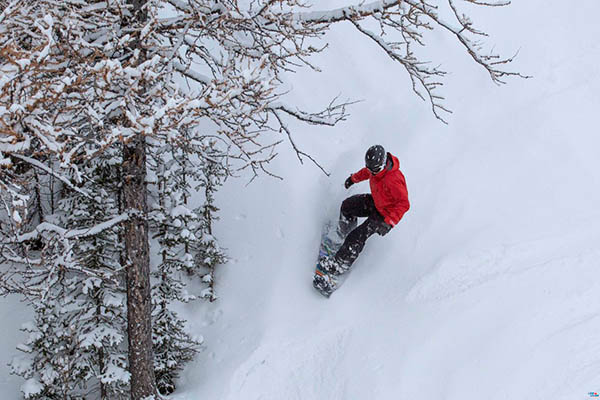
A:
{"x": 383, "y": 208}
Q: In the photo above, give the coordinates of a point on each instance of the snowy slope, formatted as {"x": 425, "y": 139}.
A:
{"x": 486, "y": 289}
{"x": 13, "y": 314}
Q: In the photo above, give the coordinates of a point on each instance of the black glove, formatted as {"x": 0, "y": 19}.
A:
{"x": 384, "y": 228}
{"x": 348, "y": 182}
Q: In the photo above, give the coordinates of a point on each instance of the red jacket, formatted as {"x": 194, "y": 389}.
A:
{"x": 388, "y": 189}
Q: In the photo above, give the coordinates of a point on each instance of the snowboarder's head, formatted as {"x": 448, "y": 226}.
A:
{"x": 375, "y": 159}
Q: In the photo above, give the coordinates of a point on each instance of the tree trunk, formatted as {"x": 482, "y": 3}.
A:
{"x": 139, "y": 324}
{"x": 139, "y": 304}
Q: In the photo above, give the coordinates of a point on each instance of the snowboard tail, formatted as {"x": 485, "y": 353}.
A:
{"x": 322, "y": 282}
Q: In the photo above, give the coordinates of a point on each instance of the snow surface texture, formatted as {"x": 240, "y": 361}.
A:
{"x": 486, "y": 289}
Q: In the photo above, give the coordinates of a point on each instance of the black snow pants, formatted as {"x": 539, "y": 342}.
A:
{"x": 354, "y": 207}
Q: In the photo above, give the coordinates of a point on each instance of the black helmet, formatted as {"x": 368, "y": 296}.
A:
{"x": 375, "y": 158}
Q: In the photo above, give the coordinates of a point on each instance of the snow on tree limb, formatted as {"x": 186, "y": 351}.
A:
{"x": 343, "y": 13}
{"x": 44, "y": 168}
{"x": 198, "y": 77}
{"x": 72, "y": 233}
{"x": 329, "y": 116}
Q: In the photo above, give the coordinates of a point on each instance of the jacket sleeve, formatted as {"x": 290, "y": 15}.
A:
{"x": 361, "y": 175}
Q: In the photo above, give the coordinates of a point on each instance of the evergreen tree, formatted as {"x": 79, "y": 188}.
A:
{"x": 209, "y": 254}
{"x": 102, "y": 319}
{"x": 55, "y": 367}
{"x": 173, "y": 346}
{"x": 184, "y": 243}
{"x": 76, "y": 342}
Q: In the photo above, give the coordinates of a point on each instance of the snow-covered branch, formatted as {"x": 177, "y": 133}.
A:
{"x": 190, "y": 73}
{"x": 329, "y": 116}
{"x": 39, "y": 165}
{"x": 343, "y": 13}
{"x": 72, "y": 233}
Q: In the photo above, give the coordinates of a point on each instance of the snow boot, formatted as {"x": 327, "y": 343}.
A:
{"x": 332, "y": 266}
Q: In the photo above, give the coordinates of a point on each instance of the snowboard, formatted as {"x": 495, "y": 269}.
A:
{"x": 324, "y": 282}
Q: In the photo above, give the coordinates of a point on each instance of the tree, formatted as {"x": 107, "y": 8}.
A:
{"x": 172, "y": 220}
{"x": 208, "y": 253}
{"x": 80, "y": 78}
{"x": 75, "y": 344}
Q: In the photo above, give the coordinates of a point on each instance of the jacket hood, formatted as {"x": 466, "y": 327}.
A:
{"x": 395, "y": 163}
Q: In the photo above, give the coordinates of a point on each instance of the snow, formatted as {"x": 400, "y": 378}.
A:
{"x": 44, "y": 168}
{"x": 5, "y": 146}
{"x": 98, "y": 335}
{"x": 181, "y": 211}
{"x": 115, "y": 373}
{"x": 24, "y": 348}
{"x": 47, "y": 31}
{"x": 13, "y": 314}
{"x": 342, "y": 12}
{"x": 201, "y": 78}
{"x": 16, "y": 217}
{"x": 74, "y": 233}
{"x": 5, "y": 162}
{"x": 488, "y": 286}
{"x": 31, "y": 387}
{"x": 113, "y": 300}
